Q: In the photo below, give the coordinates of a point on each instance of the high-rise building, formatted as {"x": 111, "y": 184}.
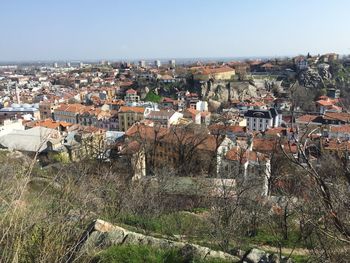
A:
{"x": 172, "y": 63}
{"x": 157, "y": 63}
{"x": 142, "y": 63}
{"x": 55, "y": 65}
{"x": 68, "y": 64}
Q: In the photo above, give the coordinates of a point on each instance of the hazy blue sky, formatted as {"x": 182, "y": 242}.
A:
{"x": 127, "y": 29}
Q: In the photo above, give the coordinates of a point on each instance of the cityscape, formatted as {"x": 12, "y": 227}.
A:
{"x": 150, "y": 155}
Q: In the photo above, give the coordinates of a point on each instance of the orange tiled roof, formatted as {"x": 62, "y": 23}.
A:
{"x": 307, "y": 118}
{"x": 238, "y": 154}
{"x": 77, "y": 108}
{"x": 208, "y": 71}
{"x": 132, "y": 109}
{"x": 131, "y": 91}
{"x": 340, "y": 129}
{"x": 336, "y": 145}
{"x": 342, "y": 116}
{"x": 267, "y": 145}
{"x": 192, "y": 111}
{"x": 277, "y": 130}
{"x": 325, "y": 102}
{"x": 51, "y": 124}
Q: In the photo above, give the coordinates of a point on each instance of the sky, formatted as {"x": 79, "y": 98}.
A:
{"x": 147, "y": 29}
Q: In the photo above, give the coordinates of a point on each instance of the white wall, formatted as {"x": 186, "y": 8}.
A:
{"x": 10, "y": 126}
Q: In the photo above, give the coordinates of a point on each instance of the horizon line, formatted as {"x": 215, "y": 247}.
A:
{"x": 113, "y": 60}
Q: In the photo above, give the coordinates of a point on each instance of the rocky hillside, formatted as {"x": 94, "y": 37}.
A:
{"x": 222, "y": 91}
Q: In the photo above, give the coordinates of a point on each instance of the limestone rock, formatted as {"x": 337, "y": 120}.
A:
{"x": 102, "y": 235}
{"x": 255, "y": 256}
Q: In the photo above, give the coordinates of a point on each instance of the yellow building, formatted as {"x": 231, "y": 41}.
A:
{"x": 221, "y": 73}
{"x": 128, "y": 116}
{"x": 69, "y": 112}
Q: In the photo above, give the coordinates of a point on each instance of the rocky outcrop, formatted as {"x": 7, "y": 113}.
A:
{"x": 223, "y": 91}
{"x": 101, "y": 235}
{"x": 313, "y": 78}
{"x": 260, "y": 256}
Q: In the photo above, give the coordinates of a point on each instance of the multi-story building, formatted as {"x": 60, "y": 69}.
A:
{"x": 247, "y": 165}
{"x": 202, "y": 105}
{"x": 17, "y": 110}
{"x": 206, "y": 73}
{"x": 261, "y": 120}
{"x": 193, "y": 115}
{"x": 69, "y": 112}
{"x": 301, "y": 63}
{"x": 157, "y": 63}
{"x": 47, "y": 109}
{"x": 327, "y": 104}
{"x": 7, "y": 126}
{"x": 142, "y": 63}
{"x": 163, "y": 118}
{"x": 131, "y": 97}
{"x": 128, "y": 116}
{"x": 179, "y": 146}
{"x": 104, "y": 119}
{"x": 172, "y": 63}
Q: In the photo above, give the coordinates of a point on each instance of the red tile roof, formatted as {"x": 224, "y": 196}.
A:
{"x": 208, "y": 71}
{"x": 307, "y": 118}
{"x": 132, "y": 109}
{"x": 342, "y": 116}
{"x": 131, "y": 91}
{"x": 325, "y": 102}
{"x": 242, "y": 155}
{"x": 76, "y": 108}
{"x": 267, "y": 145}
{"x": 340, "y": 129}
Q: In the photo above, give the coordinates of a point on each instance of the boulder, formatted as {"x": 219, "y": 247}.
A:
{"x": 259, "y": 256}
{"x": 256, "y": 256}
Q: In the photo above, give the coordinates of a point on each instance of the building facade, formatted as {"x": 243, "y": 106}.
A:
{"x": 128, "y": 116}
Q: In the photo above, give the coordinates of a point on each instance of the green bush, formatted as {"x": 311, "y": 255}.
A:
{"x": 151, "y": 96}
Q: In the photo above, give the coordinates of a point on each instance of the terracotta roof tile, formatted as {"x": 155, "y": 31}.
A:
{"x": 132, "y": 109}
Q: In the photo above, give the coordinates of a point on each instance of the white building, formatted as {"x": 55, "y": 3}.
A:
{"x": 164, "y": 118}
{"x": 142, "y": 63}
{"x": 202, "y": 106}
{"x": 11, "y": 125}
{"x": 131, "y": 97}
{"x": 262, "y": 120}
{"x": 172, "y": 63}
{"x": 157, "y": 63}
{"x": 248, "y": 166}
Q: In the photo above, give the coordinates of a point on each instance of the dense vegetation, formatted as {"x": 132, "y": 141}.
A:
{"x": 151, "y": 96}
